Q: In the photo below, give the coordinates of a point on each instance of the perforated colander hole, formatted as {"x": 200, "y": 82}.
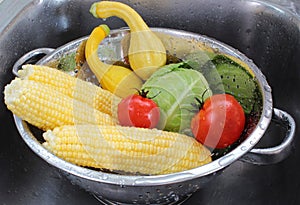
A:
{"x": 141, "y": 196}
{"x": 147, "y": 198}
{"x": 169, "y": 187}
{"x": 159, "y": 192}
{"x": 147, "y": 195}
{"x": 180, "y": 186}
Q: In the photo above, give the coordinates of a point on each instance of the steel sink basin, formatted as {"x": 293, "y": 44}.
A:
{"x": 267, "y": 33}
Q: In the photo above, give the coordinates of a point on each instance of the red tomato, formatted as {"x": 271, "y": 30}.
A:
{"x": 138, "y": 111}
{"x": 220, "y": 122}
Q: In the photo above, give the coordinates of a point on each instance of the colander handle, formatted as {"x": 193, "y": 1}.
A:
{"x": 272, "y": 155}
{"x": 30, "y": 57}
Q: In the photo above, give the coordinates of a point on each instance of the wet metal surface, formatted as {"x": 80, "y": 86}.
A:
{"x": 267, "y": 34}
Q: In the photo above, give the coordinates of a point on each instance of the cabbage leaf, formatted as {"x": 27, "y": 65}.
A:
{"x": 175, "y": 88}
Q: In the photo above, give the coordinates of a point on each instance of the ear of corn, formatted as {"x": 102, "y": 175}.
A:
{"x": 129, "y": 149}
{"x": 146, "y": 51}
{"x": 78, "y": 89}
{"x": 47, "y": 108}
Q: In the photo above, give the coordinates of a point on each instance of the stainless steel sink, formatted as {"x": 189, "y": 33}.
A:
{"x": 268, "y": 34}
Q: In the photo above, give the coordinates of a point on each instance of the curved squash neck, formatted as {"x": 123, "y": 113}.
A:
{"x": 91, "y": 52}
{"x": 130, "y": 16}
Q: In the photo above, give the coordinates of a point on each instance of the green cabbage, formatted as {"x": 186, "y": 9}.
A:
{"x": 175, "y": 89}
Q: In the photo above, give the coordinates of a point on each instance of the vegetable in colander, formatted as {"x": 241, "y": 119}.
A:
{"x": 146, "y": 51}
{"x": 224, "y": 75}
{"x": 175, "y": 88}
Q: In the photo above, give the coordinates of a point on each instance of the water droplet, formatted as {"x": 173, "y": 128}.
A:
{"x": 263, "y": 126}
{"x": 268, "y": 113}
{"x": 122, "y": 183}
{"x": 270, "y": 100}
{"x": 267, "y": 88}
{"x": 196, "y": 186}
{"x": 243, "y": 148}
{"x": 175, "y": 197}
{"x": 227, "y": 160}
{"x": 36, "y": 194}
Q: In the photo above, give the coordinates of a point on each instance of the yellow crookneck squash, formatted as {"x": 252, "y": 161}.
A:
{"x": 146, "y": 51}
{"x": 119, "y": 80}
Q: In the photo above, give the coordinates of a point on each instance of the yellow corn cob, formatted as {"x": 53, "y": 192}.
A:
{"x": 78, "y": 89}
{"x": 46, "y": 108}
{"x": 129, "y": 149}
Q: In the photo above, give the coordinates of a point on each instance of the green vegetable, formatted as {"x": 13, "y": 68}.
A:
{"x": 237, "y": 81}
{"x": 200, "y": 60}
{"x": 227, "y": 76}
{"x": 67, "y": 62}
{"x": 175, "y": 88}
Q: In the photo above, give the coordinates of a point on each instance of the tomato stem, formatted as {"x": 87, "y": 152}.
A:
{"x": 144, "y": 94}
{"x": 155, "y": 95}
{"x": 200, "y": 102}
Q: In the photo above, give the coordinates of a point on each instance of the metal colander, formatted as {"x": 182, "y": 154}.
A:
{"x": 110, "y": 188}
